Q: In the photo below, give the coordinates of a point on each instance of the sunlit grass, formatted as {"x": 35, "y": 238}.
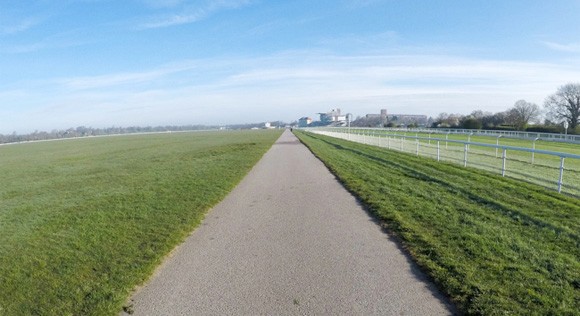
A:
{"x": 82, "y": 222}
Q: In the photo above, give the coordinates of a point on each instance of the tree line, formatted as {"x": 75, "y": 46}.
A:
{"x": 83, "y": 131}
{"x": 516, "y": 118}
{"x": 562, "y": 106}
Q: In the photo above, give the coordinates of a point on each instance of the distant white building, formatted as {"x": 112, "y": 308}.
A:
{"x": 334, "y": 116}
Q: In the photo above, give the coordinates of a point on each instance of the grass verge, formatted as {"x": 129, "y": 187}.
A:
{"x": 82, "y": 222}
{"x": 494, "y": 245}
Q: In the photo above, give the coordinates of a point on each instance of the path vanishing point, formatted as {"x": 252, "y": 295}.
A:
{"x": 289, "y": 240}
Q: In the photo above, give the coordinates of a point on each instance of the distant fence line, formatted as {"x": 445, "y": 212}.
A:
{"x": 106, "y": 135}
{"x": 565, "y": 138}
{"x": 530, "y": 164}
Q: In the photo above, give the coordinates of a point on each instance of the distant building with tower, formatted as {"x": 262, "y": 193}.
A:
{"x": 382, "y": 116}
{"x": 382, "y": 119}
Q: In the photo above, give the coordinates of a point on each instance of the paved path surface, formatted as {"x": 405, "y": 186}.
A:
{"x": 289, "y": 240}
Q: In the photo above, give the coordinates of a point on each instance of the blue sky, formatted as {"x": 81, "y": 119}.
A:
{"x": 100, "y": 63}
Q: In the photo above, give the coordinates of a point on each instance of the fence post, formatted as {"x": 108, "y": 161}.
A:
{"x": 469, "y": 139}
{"x": 438, "y": 152}
{"x": 465, "y": 156}
{"x": 504, "y": 157}
{"x": 388, "y": 142}
{"x": 534, "y": 149}
{"x": 561, "y": 174}
{"x": 417, "y": 147}
{"x": 402, "y": 143}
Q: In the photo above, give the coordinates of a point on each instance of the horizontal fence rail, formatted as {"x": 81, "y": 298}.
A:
{"x": 543, "y": 167}
{"x": 565, "y": 138}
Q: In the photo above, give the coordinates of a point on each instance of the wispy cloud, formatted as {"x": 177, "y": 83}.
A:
{"x": 382, "y": 40}
{"x": 361, "y": 76}
{"x": 321, "y": 78}
{"x": 569, "y": 47}
{"x": 163, "y": 3}
{"x": 59, "y": 41}
{"x": 21, "y": 26}
{"x": 191, "y": 14}
{"x": 271, "y": 26}
{"x": 120, "y": 79}
{"x": 286, "y": 86}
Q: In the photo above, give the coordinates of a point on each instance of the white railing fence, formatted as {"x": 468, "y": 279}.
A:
{"x": 550, "y": 169}
{"x": 564, "y": 138}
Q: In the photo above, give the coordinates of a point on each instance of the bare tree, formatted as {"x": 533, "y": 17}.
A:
{"x": 565, "y": 104}
{"x": 522, "y": 113}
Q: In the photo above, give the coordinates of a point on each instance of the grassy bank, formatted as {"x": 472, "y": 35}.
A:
{"x": 82, "y": 222}
{"x": 494, "y": 245}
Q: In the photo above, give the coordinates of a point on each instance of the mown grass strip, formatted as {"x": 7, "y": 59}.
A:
{"x": 494, "y": 245}
{"x": 82, "y": 222}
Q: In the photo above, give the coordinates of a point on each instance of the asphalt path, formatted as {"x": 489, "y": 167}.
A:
{"x": 289, "y": 240}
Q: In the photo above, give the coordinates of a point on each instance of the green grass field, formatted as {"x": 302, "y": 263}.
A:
{"x": 537, "y": 168}
{"x": 84, "y": 221}
{"x": 494, "y": 245}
